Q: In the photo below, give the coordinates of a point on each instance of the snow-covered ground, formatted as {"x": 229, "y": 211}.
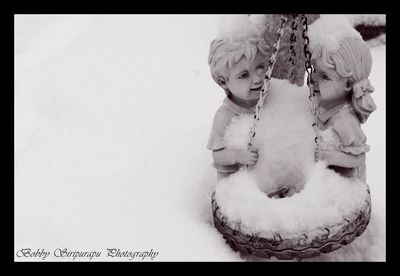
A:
{"x": 112, "y": 117}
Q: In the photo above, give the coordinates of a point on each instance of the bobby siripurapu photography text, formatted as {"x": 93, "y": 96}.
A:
{"x": 73, "y": 255}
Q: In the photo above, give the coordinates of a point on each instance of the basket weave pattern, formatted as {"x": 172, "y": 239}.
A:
{"x": 300, "y": 247}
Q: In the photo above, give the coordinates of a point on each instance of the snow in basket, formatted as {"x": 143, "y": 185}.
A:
{"x": 317, "y": 198}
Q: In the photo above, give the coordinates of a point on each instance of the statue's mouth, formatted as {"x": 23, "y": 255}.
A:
{"x": 257, "y": 89}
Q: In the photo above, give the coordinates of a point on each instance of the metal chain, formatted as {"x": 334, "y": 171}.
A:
{"x": 292, "y": 49}
{"x": 267, "y": 79}
{"x": 310, "y": 82}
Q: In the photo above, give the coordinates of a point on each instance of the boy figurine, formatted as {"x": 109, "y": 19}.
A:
{"x": 237, "y": 60}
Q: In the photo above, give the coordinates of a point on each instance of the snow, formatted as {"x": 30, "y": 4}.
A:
{"x": 330, "y": 30}
{"x": 285, "y": 142}
{"x": 237, "y": 25}
{"x": 237, "y": 132}
{"x": 377, "y": 41}
{"x": 286, "y": 111}
{"x": 300, "y": 213}
{"x": 367, "y": 19}
{"x": 111, "y": 126}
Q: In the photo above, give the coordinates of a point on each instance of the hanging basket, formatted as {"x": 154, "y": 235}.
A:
{"x": 299, "y": 246}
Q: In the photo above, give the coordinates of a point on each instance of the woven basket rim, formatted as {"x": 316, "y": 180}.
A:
{"x": 298, "y": 247}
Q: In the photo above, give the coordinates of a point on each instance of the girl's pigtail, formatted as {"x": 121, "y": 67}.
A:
{"x": 362, "y": 101}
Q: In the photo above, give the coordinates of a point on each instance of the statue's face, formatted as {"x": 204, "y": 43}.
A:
{"x": 246, "y": 78}
{"x": 330, "y": 88}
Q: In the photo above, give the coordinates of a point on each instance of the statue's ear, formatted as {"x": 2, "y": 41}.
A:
{"x": 222, "y": 82}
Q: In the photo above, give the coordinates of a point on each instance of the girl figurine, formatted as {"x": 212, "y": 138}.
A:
{"x": 342, "y": 64}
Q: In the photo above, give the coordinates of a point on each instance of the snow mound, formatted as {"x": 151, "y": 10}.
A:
{"x": 367, "y": 19}
{"x": 329, "y": 30}
{"x": 236, "y": 26}
{"x": 238, "y": 131}
{"x": 285, "y": 142}
{"x": 284, "y": 137}
{"x": 241, "y": 200}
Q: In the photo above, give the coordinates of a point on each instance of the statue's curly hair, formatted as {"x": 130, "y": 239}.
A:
{"x": 226, "y": 52}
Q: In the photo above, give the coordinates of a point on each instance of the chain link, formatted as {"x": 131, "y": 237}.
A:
{"x": 267, "y": 79}
{"x": 272, "y": 60}
{"x": 292, "y": 49}
{"x": 310, "y": 82}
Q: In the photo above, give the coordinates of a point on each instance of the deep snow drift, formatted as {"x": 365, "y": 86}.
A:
{"x": 112, "y": 117}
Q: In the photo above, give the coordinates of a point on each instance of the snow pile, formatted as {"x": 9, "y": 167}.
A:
{"x": 285, "y": 139}
{"x": 260, "y": 21}
{"x": 327, "y": 198}
{"x": 367, "y": 19}
{"x": 329, "y": 30}
{"x": 238, "y": 131}
{"x": 237, "y": 25}
{"x": 380, "y": 40}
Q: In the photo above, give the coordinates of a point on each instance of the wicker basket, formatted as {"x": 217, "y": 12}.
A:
{"x": 300, "y": 247}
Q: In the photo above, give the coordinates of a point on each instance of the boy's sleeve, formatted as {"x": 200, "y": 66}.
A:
{"x": 215, "y": 141}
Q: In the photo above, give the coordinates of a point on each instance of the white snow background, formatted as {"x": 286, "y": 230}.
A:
{"x": 112, "y": 117}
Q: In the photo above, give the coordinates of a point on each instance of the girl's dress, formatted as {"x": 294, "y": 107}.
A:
{"x": 341, "y": 131}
